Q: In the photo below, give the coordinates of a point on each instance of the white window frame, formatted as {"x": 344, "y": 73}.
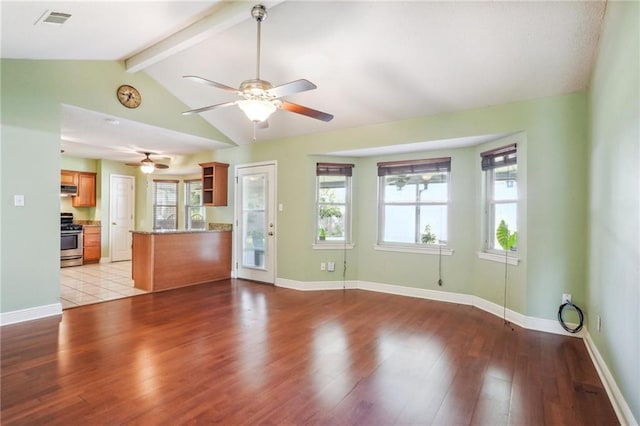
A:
{"x": 493, "y": 161}
{"x": 417, "y": 247}
{"x": 188, "y": 207}
{"x": 346, "y": 242}
{"x": 156, "y": 205}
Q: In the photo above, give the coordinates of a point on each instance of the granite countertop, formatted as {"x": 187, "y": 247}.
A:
{"x": 88, "y": 222}
{"x": 213, "y": 227}
{"x": 220, "y": 227}
{"x": 179, "y": 231}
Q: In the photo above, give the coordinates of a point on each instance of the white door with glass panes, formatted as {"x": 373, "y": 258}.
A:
{"x": 255, "y": 256}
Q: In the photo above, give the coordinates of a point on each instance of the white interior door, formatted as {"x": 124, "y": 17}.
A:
{"x": 121, "y": 217}
{"x": 255, "y": 222}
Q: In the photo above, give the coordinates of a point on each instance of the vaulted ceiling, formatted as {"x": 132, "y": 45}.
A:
{"x": 372, "y": 61}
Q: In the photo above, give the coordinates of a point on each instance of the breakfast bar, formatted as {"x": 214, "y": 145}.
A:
{"x": 169, "y": 259}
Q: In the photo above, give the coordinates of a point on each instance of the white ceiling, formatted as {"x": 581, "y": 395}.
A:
{"x": 372, "y": 61}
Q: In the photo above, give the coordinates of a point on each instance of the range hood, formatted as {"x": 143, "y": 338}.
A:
{"x": 68, "y": 190}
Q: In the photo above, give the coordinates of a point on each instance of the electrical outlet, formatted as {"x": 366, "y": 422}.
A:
{"x": 331, "y": 266}
{"x": 323, "y": 266}
{"x": 566, "y": 298}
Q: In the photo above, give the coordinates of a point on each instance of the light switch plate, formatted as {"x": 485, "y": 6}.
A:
{"x": 18, "y": 200}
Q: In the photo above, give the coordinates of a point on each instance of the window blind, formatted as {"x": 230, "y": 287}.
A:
{"x": 166, "y": 192}
{"x": 430, "y": 165}
{"x": 334, "y": 169}
{"x": 165, "y": 204}
{"x": 499, "y": 157}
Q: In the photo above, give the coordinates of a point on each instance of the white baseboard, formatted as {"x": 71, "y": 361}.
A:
{"x": 524, "y": 321}
{"x": 29, "y": 314}
{"x": 531, "y": 323}
{"x": 421, "y": 293}
{"x": 620, "y": 406}
{"x": 315, "y": 285}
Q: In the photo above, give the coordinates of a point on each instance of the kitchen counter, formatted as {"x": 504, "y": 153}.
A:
{"x": 169, "y": 259}
{"x": 212, "y": 227}
{"x": 176, "y": 231}
{"x": 87, "y": 222}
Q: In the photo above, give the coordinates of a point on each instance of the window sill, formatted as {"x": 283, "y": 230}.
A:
{"x": 499, "y": 258}
{"x": 332, "y": 246}
{"x": 446, "y": 251}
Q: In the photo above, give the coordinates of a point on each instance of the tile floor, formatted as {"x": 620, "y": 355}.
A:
{"x": 82, "y": 285}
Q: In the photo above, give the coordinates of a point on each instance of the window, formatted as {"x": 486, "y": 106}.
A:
{"x": 194, "y": 210}
{"x": 413, "y": 201}
{"x": 501, "y": 174}
{"x": 333, "y": 203}
{"x": 165, "y": 204}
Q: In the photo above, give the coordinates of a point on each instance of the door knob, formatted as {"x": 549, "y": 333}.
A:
{"x": 113, "y": 223}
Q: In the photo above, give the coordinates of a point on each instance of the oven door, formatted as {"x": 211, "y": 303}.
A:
{"x": 70, "y": 248}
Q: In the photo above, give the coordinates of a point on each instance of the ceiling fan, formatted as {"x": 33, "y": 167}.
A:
{"x": 147, "y": 165}
{"x": 260, "y": 98}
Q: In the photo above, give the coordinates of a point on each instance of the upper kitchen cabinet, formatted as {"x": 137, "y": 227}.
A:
{"x": 68, "y": 177}
{"x": 214, "y": 183}
{"x": 86, "y": 183}
{"x": 86, "y": 190}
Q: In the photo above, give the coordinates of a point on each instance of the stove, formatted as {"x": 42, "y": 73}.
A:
{"x": 70, "y": 227}
{"x": 70, "y": 241}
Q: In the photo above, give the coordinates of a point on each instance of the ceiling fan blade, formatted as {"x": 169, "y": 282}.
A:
{"x": 132, "y": 164}
{"x": 160, "y": 166}
{"x": 208, "y": 108}
{"x": 299, "y": 109}
{"x": 292, "y": 87}
{"x": 210, "y": 83}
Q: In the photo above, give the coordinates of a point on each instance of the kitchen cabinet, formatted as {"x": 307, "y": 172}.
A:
{"x": 86, "y": 183}
{"x": 91, "y": 244}
{"x": 68, "y": 177}
{"x": 86, "y": 190}
{"x": 214, "y": 183}
{"x": 171, "y": 259}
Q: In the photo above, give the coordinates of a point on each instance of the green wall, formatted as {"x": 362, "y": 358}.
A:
{"x": 552, "y": 257}
{"x": 30, "y": 234}
{"x": 614, "y": 205}
{"x": 32, "y": 95}
{"x": 580, "y": 208}
{"x": 552, "y": 204}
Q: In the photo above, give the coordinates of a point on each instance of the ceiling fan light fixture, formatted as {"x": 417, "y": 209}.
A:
{"x": 257, "y": 110}
{"x": 147, "y": 167}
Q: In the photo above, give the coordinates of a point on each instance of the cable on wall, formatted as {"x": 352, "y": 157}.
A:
{"x": 344, "y": 265}
{"x": 440, "y": 265}
{"x": 561, "y": 319}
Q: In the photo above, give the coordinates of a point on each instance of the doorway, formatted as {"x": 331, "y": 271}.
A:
{"x": 255, "y": 195}
{"x": 121, "y": 210}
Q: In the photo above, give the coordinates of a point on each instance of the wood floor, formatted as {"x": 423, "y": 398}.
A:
{"x": 236, "y": 352}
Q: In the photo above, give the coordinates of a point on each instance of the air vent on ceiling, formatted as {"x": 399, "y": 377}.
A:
{"x": 55, "y": 18}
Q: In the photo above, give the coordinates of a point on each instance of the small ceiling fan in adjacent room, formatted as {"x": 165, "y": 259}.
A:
{"x": 260, "y": 98}
{"x": 147, "y": 165}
